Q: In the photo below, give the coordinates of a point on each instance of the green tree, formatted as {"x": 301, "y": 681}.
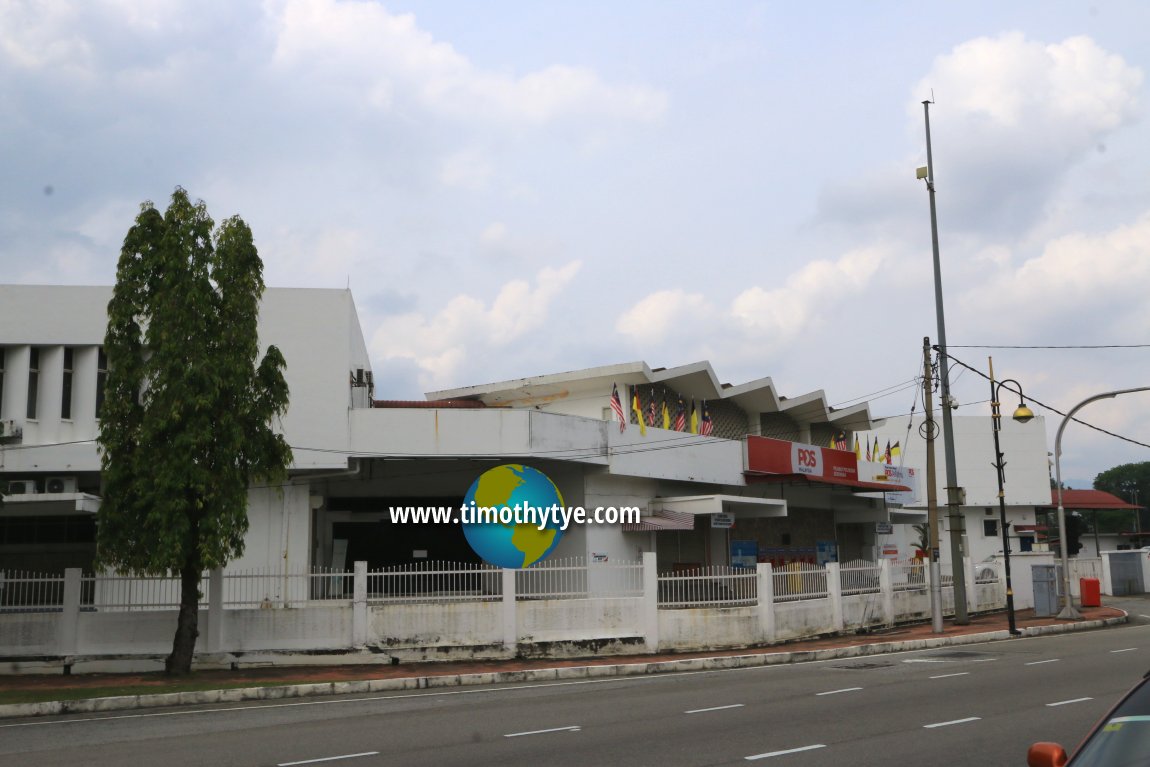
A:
{"x": 186, "y": 424}
{"x": 1130, "y": 482}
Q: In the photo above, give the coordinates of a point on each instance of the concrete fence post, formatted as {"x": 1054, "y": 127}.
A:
{"x": 886, "y": 591}
{"x": 214, "y": 641}
{"x": 766, "y": 606}
{"x": 510, "y": 620}
{"x": 1107, "y": 576}
{"x": 650, "y": 601}
{"x": 835, "y": 594}
{"x": 359, "y": 606}
{"x": 968, "y": 576}
{"x": 68, "y": 631}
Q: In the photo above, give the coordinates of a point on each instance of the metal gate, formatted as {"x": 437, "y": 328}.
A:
{"x": 1046, "y": 590}
{"x": 1126, "y": 573}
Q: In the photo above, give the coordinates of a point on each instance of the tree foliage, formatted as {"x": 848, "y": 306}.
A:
{"x": 1130, "y": 482}
{"x": 186, "y": 424}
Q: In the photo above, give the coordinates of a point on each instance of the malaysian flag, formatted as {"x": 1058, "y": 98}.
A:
{"x": 617, "y": 406}
{"x": 706, "y": 426}
{"x": 652, "y": 414}
{"x": 681, "y": 416}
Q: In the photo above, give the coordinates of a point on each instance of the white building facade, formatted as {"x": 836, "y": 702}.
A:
{"x": 704, "y": 499}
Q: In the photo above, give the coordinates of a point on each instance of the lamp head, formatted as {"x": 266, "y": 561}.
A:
{"x": 1023, "y": 414}
{"x": 921, "y": 172}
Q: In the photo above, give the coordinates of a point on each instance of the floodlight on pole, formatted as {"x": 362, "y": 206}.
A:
{"x": 954, "y": 493}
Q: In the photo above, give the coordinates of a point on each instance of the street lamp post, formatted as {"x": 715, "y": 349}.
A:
{"x": 1022, "y": 414}
{"x": 1069, "y": 612}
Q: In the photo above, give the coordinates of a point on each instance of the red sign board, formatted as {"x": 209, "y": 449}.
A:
{"x": 777, "y": 456}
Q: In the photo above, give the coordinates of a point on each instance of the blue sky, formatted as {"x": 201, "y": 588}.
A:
{"x": 513, "y": 189}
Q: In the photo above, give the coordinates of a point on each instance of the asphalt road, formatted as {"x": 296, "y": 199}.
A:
{"x": 971, "y": 705}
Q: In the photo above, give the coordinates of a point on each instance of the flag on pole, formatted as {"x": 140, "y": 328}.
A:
{"x": 681, "y": 416}
{"x": 617, "y": 406}
{"x": 841, "y": 441}
{"x": 706, "y": 426}
{"x": 635, "y": 406}
{"x": 652, "y": 416}
{"x": 694, "y": 418}
{"x": 886, "y": 455}
{"x": 868, "y": 453}
{"x": 666, "y": 414}
{"x": 877, "y": 451}
{"x": 832, "y": 443}
{"x": 858, "y": 450}
{"x": 895, "y": 451}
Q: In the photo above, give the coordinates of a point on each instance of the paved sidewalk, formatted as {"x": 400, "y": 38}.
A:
{"x": 67, "y": 692}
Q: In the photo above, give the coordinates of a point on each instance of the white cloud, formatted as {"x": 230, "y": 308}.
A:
{"x": 468, "y": 169}
{"x": 386, "y": 57}
{"x": 765, "y": 317}
{"x": 662, "y": 315}
{"x": 1012, "y": 117}
{"x": 1077, "y": 277}
{"x": 466, "y": 330}
{"x": 1072, "y": 89}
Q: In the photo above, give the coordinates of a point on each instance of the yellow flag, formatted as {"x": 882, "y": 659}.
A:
{"x": 694, "y": 419}
{"x": 638, "y": 410}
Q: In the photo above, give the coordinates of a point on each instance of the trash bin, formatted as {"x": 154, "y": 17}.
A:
{"x": 1091, "y": 592}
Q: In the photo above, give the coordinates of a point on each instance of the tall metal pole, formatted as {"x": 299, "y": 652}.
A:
{"x": 1069, "y": 612}
{"x": 1000, "y": 465}
{"x": 931, "y": 492}
{"x": 953, "y": 491}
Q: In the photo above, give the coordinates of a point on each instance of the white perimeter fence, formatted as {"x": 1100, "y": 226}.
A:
{"x": 453, "y": 610}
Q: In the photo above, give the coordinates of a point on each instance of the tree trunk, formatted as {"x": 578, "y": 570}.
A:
{"x": 187, "y": 626}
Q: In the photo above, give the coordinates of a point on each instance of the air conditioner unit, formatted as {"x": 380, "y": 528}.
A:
{"x": 10, "y": 429}
{"x": 60, "y": 485}
{"x": 21, "y": 487}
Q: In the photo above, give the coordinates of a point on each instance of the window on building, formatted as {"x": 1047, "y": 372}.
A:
{"x": 990, "y": 528}
{"x": 66, "y": 392}
{"x": 33, "y": 380}
{"x": 101, "y": 379}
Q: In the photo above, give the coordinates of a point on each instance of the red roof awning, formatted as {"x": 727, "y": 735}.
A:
{"x": 1088, "y": 499}
{"x": 856, "y": 485}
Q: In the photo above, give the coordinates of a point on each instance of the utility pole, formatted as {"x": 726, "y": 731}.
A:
{"x": 954, "y": 493}
{"x": 931, "y": 491}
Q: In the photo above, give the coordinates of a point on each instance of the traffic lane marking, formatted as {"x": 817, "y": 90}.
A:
{"x": 1128, "y": 649}
{"x": 569, "y": 728}
{"x": 952, "y": 721}
{"x": 1040, "y": 662}
{"x": 836, "y": 692}
{"x": 713, "y": 708}
{"x": 1067, "y": 702}
{"x": 327, "y": 759}
{"x": 770, "y": 754}
{"x": 947, "y": 676}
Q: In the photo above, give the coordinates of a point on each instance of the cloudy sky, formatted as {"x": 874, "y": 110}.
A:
{"x": 514, "y": 188}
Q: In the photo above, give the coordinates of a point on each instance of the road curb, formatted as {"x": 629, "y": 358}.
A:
{"x": 597, "y": 671}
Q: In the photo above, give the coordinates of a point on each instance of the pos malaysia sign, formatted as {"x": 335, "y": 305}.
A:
{"x": 777, "y": 456}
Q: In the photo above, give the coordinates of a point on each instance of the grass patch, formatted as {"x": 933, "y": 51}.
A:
{"x": 111, "y": 691}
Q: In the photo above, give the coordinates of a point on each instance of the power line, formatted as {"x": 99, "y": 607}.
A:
{"x": 1064, "y": 346}
{"x": 1051, "y": 408}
